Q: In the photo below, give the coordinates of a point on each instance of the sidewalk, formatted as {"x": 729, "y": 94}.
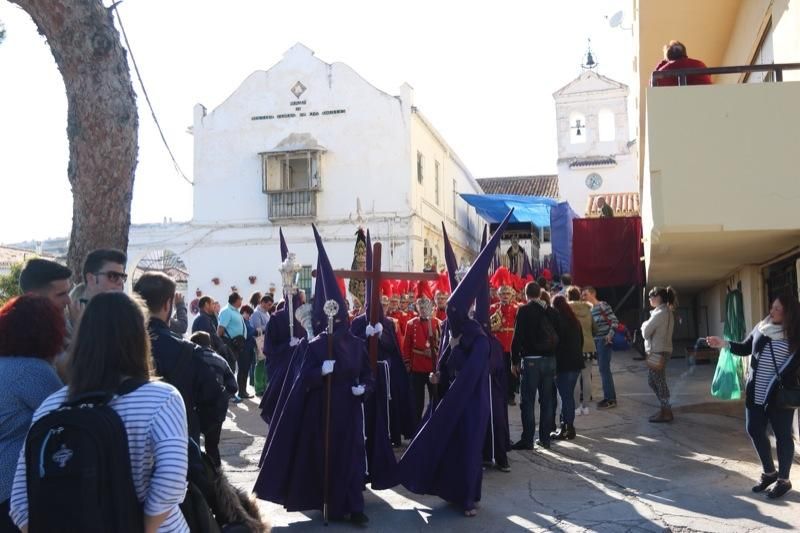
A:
{"x": 622, "y": 473}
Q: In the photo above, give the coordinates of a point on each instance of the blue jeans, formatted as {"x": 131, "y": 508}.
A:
{"x": 537, "y": 376}
{"x": 604, "y": 365}
{"x": 756, "y": 420}
{"x": 565, "y": 382}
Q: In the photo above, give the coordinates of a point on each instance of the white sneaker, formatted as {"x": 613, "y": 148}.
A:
{"x": 578, "y": 411}
{"x": 585, "y": 409}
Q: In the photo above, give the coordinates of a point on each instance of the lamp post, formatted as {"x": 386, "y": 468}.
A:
{"x": 289, "y": 270}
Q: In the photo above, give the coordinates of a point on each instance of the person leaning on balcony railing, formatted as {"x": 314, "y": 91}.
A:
{"x": 675, "y": 58}
{"x": 773, "y": 344}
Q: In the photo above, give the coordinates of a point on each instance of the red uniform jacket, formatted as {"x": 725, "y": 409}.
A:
{"x": 401, "y": 319}
{"x": 680, "y": 64}
{"x": 441, "y": 314}
{"x": 505, "y": 331}
{"x": 421, "y": 346}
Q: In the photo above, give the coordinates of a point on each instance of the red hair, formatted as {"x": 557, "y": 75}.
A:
{"x": 31, "y": 326}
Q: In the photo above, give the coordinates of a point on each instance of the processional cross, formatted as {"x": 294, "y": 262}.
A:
{"x": 375, "y": 276}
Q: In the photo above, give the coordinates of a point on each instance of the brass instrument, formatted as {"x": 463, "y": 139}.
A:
{"x": 496, "y": 321}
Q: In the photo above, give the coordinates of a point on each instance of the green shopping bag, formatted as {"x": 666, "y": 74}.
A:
{"x": 260, "y": 377}
{"x": 727, "y": 384}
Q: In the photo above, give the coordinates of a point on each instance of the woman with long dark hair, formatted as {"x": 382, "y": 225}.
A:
{"x": 657, "y": 333}
{"x": 111, "y": 346}
{"x": 569, "y": 363}
{"x": 773, "y": 344}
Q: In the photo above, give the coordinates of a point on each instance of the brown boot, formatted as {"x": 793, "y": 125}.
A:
{"x": 664, "y": 415}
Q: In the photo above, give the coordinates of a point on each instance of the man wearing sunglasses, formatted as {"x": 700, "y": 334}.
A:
{"x": 103, "y": 271}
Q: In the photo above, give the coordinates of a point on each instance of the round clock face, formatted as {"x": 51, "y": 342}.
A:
{"x": 594, "y": 181}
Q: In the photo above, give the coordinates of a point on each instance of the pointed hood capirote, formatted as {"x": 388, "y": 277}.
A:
{"x": 482, "y": 294}
{"x": 450, "y": 260}
{"x": 462, "y": 297}
{"x": 326, "y": 288}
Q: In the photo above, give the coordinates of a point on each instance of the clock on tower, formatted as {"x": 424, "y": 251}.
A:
{"x": 594, "y": 181}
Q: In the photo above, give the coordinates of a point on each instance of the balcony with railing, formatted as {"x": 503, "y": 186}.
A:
{"x": 721, "y": 180}
{"x": 291, "y": 204}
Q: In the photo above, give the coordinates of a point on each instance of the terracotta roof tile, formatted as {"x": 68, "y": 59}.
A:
{"x": 593, "y": 162}
{"x": 624, "y": 204}
{"x": 545, "y": 185}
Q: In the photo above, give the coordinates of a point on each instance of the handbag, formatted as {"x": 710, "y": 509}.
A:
{"x": 656, "y": 360}
{"x": 786, "y": 397}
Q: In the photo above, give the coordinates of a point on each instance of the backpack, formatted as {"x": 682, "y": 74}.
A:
{"x": 78, "y": 468}
{"x": 546, "y": 337}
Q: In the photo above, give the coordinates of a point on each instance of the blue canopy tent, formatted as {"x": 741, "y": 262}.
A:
{"x": 542, "y": 211}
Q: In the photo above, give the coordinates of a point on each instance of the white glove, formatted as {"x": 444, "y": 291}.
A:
{"x": 294, "y": 341}
{"x": 358, "y": 390}
{"x": 377, "y": 329}
{"x": 327, "y": 366}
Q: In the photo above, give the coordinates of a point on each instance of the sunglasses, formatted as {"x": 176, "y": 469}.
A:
{"x": 113, "y": 276}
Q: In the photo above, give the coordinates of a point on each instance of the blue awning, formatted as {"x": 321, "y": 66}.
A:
{"x": 494, "y": 207}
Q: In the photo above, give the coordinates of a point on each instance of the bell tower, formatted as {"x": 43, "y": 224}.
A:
{"x": 594, "y": 148}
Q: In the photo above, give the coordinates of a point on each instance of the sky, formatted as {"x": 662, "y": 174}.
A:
{"x": 483, "y": 73}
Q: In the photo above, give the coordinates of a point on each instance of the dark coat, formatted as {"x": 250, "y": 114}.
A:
{"x": 194, "y": 379}
{"x": 569, "y": 354}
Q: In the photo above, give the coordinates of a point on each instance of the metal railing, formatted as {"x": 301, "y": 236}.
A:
{"x": 683, "y": 74}
{"x": 296, "y": 203}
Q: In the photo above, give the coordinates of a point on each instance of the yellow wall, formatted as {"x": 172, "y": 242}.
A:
{"x": 725, "y": 156}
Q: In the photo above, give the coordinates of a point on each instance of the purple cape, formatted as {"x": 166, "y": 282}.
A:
{"x": 498, "y": 437}
{"x": 292, "y": 467}
{"x": 444, "y": 459}
{"x": 381, "y": 462}
{"x": 279, "y": 354}
{"x": 401, "y": 406}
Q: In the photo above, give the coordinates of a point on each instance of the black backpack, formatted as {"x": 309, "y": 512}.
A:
{"x": 79, "y": 470}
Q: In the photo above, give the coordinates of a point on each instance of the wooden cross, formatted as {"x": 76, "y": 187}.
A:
{"x": 375, "y": 276}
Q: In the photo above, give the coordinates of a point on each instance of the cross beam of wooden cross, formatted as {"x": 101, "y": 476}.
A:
{"x": 375, "y": 276}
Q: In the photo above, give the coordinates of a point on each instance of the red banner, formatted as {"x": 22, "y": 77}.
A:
{"x": 606, "y": 252}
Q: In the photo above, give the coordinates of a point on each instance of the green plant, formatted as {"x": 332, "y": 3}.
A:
{"x": 9, "y": 283}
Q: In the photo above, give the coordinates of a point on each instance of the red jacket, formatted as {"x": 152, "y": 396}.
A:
{"x": 441, "y": 314}
{"x": 680, "y": 64}
{"x": 402, "y": 318}
{"x": 505, "y": 332}
{"x": 421, "y": 345}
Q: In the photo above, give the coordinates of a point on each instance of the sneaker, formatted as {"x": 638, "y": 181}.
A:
{"x": 578, "y": 412}
{"x": 765, "y": 481}
{"x": 585, "y": 409}
{"x": 504, "y": 468}
{"x": 543, "y": 444}
{"x": 607, "y": 404}
{"x": 780, "y": 488}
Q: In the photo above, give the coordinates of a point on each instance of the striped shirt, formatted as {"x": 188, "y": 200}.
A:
{"x": 155, "y": 419}
{"x": 765, "y": 372}
{"x": 604, "y": 317}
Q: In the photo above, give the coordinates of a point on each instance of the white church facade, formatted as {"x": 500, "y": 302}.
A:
{"x": 596, "y": 156}
{"x": 311, "y": 142}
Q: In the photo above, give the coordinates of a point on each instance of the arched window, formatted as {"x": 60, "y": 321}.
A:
{"x": 577, "y": 128}
{"x": 606, "y": 126}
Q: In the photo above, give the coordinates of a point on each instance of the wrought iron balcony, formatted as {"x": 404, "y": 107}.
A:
{"x": 295, "y": 203}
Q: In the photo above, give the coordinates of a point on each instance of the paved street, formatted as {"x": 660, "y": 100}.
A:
{"x": 621, "y": 473}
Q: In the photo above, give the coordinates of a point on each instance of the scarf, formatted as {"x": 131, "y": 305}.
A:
{"x": 773, "y": 331}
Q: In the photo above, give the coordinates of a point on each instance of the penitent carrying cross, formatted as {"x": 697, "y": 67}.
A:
{"x": 375, "y": 276}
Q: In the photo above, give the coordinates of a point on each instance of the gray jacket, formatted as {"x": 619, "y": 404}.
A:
{"x": 657, "y": 330}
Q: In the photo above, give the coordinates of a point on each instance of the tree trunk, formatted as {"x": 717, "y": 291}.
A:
{"x": 102, "y": 121}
